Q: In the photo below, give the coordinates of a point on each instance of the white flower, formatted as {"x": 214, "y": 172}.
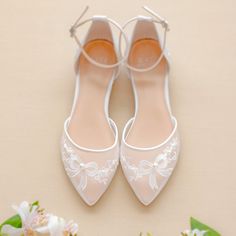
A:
{"x": 35, "y": 220}
{"x": 71, "y": 228}
{"x": 32, "y": 218}
{"x": 58, "y": 227}
{"x": 10, "y": 230}
{"x": 194, "y": 232}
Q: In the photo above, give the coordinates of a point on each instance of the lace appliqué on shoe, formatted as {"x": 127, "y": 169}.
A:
{"x": 152, "y": 169}
{"x": 74, "y": 167}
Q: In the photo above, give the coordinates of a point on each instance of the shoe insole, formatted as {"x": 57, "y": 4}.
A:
{"x": 152, "y": 124}
{"x": 89, "y": 126}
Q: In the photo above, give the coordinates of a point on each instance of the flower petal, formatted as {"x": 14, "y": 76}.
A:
{"x": 56, "y": 225}
{"x": 23, "y": 210}
{"x": 12, "y": 231}
{"x": 71, "y": 227}
{"x": 198, "y": 232}
{"x": 195, "y": 232}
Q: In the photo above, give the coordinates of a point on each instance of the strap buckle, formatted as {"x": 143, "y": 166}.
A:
{"x": 76, "y": 24}
{"x": 164, "y": 23}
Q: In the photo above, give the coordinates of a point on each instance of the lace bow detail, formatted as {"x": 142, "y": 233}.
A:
{"x": 75, "y": 167}
{"x": 152, "y": 169}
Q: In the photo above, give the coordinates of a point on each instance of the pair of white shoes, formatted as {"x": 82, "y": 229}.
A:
{"x": 150, "y": 144}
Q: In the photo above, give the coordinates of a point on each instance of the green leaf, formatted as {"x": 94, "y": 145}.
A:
{"x": 149, "y": 234}
{"x": 36, "y": 203}
{"x": 195, "y": 224}
{"x": 14, "y": 221}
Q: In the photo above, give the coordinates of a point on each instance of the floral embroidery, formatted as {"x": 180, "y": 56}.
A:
{"x": 151, "y": 169}
{"x": 74, "y": 167}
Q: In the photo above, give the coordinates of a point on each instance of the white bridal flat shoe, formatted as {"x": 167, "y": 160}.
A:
{"x": 150, "y": 142}
{"x": 90, "y": 147}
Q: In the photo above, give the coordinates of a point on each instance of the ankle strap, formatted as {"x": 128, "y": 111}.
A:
{"x": 78, "y": 23}
{"x": 155, "y": 19}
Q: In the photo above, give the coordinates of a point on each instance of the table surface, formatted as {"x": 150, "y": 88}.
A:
{"x": 36, "y": 91}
